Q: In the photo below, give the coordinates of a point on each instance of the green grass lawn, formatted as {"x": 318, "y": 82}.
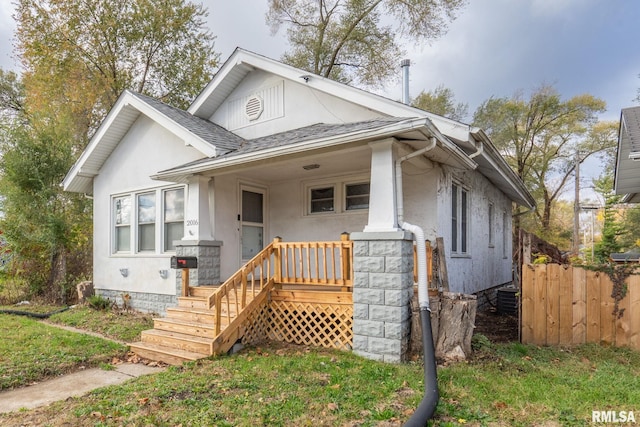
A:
{"x": 119, "y": 325}
{"x": 31, "y": 351}
{"x": 503, "y": 385}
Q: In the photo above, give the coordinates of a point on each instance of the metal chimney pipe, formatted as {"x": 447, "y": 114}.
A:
{"x": 404, "y": 64}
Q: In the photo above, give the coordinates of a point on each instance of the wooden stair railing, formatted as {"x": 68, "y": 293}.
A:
{"x": 211, "y": 324}
{"x": 229, "y": 301}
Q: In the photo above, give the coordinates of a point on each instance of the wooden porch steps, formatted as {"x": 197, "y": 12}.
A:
{"x": 161, "y": 353}
{"x": 306, "y": 285}
{"x": 187, "y": 332}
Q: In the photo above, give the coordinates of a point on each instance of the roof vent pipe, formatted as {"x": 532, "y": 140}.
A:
{"x": 404, "y": 64}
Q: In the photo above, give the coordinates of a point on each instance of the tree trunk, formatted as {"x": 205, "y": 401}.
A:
{"x": 453, "y": 318}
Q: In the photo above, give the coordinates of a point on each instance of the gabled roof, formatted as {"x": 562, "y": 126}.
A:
{"x": 205, "y": 136}
{"x": 457, "y": 143}
{"x": 627, "y": 173}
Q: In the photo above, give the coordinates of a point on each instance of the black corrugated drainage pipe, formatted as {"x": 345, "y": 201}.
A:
{"x": 427, "y": 406}
{"x": 34, "y": 315}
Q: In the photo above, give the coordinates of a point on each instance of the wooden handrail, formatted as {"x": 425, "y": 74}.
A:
{"x": 250, "y": 278}
{"x": 314, "y": 263}
{"x": 307, "y": 263}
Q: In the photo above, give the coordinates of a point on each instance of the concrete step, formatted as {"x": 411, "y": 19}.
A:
{"x": 177, "y": 340}
{"x": 172, "y": 356}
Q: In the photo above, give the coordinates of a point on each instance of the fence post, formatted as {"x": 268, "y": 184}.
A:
{"x": 185, "y": 282}
{"x": 345, "y": 256}
{"x": 277, "y": 260}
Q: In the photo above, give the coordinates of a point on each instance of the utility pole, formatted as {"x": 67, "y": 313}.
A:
{"x": 576, "y": 209}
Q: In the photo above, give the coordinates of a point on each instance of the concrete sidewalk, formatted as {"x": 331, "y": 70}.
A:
{"x": 75, "y": 384}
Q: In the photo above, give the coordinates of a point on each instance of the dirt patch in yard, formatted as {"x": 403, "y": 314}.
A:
{"x": 497, "y": 327}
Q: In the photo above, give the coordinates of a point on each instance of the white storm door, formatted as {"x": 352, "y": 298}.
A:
{"x": 252, "y": 202}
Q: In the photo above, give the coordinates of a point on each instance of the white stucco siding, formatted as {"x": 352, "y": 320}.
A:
{"x": 291, "y": 220}
{"x": 484, "y": 265}
{"x": 226, "y": 224}
{"x": 285, "y": 215}
{"x": 420, "y": 190}
{"x": 145, "y": 149}
{"x": 287, "y": 105}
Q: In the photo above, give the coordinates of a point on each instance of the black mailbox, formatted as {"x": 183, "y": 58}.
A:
{"x": 184, "y": 262}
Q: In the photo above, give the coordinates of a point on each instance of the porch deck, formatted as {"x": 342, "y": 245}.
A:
{"x": 293, "y": 292}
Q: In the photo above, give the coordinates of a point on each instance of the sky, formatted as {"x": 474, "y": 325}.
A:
{"x": 494, "y": 48}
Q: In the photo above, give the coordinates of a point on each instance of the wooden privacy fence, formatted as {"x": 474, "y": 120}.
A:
{"x": 564, "y": 305}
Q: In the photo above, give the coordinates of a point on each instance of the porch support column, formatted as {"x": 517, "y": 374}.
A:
{"x": 198, "y": 240}
{"x": 382, "y": 194}
{"x": 382, "y": 290}
{"x": 198, "y": 216}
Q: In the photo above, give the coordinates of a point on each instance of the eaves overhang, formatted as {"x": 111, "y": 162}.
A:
{"x": 497, "y": 170}
{"x": 452, "y": 155}
{"x": 627, "y": 171}
{"x": 127, "y": 109}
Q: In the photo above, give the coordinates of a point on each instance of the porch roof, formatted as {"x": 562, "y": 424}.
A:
{"x": 627, "y": 173}
{"x": 323, "y": 135}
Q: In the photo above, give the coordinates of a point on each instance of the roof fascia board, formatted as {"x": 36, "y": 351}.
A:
{"x": 127, "y": 99}
{"x": 490, "y": 153}
{"x": 173, "y": 127}
{"x": 621, "y": 133}
{"x": 77, "y": 168}
{"x": 237, "y": 59}
{"x": 421, "y": 124}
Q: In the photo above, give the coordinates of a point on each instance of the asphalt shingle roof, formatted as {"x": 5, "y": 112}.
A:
{"x": 308, "y": 133}
{"x": 303, "y": 134}
{"x": 210, "y": 132}
{"x": 632, "y": 121}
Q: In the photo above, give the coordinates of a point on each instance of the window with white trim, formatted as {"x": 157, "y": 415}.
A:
{"x": 137, "y": 228}
{"x": 122, "y": 232}
{"x": 173, "y": 217}
{"x": 459, "y": 216}
{"x": 322, "y": 200}
{"x": 146, "y": 222}
{"x": 506, "y": 234}
{"x": 338, "y": 195}
{"x": 491, "y": 226}
{"x": 356, "y": 196}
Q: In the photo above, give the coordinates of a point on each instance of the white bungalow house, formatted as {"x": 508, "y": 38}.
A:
{"x": 268, "y": 150}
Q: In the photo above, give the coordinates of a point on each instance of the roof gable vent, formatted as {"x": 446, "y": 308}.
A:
{"x": 254, "y": 107}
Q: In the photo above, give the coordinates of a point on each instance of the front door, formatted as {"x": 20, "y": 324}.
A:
{"x": 252, "y": 203}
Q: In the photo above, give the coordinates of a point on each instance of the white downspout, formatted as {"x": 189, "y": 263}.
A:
{"x": 479, "y": 150}
{"x": 399, "y": 193}
{"x": 427, "y": 406}
{"x": 418, "y": 233}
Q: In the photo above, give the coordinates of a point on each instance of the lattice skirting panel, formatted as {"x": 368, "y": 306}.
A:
{"x": 316, "y": 324}
{"x": 256, "y": 326}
